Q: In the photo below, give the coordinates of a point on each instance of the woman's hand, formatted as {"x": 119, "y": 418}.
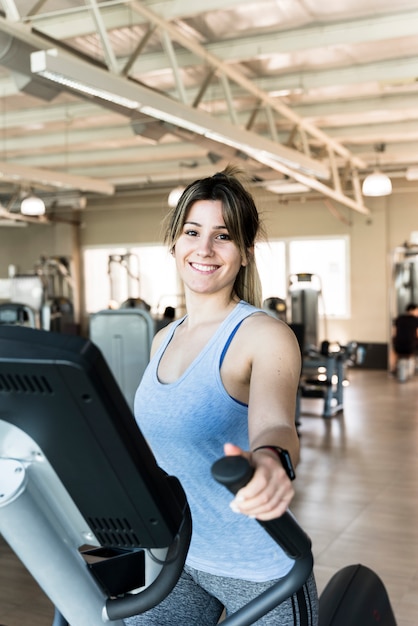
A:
{"x": 269, "y": 492}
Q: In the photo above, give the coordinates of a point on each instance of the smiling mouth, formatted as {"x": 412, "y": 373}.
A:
{"x": 204, "y": 268}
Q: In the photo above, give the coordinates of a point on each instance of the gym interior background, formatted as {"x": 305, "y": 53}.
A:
{"x": 321, "y": 97}
{"x": 336, "y": 86}
{"x": 308, "y": 99}
{"x": 372, "y": 241}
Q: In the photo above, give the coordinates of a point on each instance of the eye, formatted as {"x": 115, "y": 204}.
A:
{"x": 190, "y": 232}
{"x": 223, "y": 237}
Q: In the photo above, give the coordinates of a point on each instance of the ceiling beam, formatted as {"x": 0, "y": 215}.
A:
{"x": 18, "y": 217}
{"x": 237, "y": 77}
{"x": 78, "y": 22}
{"x": 77, "y": 74}
{"x": 11, "y": 172}
{"x": 363, "y": 77}
{"x": 319, "y": 35}
{"x": 280, "y": 158}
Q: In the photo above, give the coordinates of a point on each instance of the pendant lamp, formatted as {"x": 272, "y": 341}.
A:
{"x": 32, "y": 205}
{"x": 377, "y": 184}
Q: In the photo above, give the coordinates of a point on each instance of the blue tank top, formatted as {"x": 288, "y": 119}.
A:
{"x": 186, "y": 423}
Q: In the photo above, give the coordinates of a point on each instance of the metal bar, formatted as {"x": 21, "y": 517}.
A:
{"x": 271, "y": 124}
{"x": 136, "y": 53}
{"x": 168, "y": 46}
{"x": 240, "y": 79}
{"x": 334, "y": 170}
{"x": 203, "y": 87}
{"x": 102, "y": 32}
{"x": 228, "y": 97}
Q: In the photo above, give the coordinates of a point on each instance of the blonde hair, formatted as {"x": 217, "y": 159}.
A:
{"x": 241, "y": 219}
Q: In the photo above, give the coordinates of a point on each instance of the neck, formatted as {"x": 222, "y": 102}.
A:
{"x": 203, "y": 309}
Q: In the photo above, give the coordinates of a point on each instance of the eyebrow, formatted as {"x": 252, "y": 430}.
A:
{"x": 221, "y": 226}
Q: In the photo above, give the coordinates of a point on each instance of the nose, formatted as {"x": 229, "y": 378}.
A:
{"x": 205, "y": 247}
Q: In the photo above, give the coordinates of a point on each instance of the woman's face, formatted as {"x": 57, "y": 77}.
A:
{"x": 207, "y": 260}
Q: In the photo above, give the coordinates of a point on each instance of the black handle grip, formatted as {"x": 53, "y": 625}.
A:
{"x": 235, "y": 472}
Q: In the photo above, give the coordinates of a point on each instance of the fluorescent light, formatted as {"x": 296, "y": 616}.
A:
{"x": 280, "y": 93}
{"x": 376, "y": 185}
{"x": 32, "y": 205}
{"x": 90, "y": 90}
{"x": 88, "y": 79}
{"x": 285, "y": 188}
{"x": 46, "y": 63}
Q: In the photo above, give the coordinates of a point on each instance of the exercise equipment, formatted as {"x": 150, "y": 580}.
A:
{"x": 83, "y": 503}
{"x": 124, "y": 277}
{"x": 234, "y": 472}
{"x": 322, "y": 377}
{"x": 47, "y": 293}
{"x": 276, "y": 307}
{"x": 355, "y": 595}
{"x": 102, "y": 529}
{"x": 57, "y": 311}
{"x": 12, "y": 313}
{"x": 124, "y": 337}
{"x": 304, "y": 292}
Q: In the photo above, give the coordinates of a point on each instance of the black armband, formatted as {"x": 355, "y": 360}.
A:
{"x": 284, "y": 458}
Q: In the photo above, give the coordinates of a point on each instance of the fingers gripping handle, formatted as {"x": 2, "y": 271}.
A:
{"x": 235, "y": 472}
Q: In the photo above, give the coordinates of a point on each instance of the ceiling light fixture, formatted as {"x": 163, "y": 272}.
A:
{"x": 377, "y": 184}
{"x": 47, "y": 64}
{"x": 174, "y": 196}
{"x": 283, "y": 187}
{"x": 77, "y": 74}
{"x": 32, "y": 205}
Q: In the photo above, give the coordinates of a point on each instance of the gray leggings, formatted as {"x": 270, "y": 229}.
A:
{"x": 199, "y": 598}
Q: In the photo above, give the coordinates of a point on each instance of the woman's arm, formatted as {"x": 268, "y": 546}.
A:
{"x": 274, "y": 379}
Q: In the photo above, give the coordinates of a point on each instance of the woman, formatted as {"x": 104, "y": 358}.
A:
{"x": 223, "y": 380}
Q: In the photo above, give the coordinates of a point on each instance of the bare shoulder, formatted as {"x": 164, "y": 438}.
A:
{"x": 264, "y": 327}
{"x": 159, "y": 338}
{"x": 268, "y": 339}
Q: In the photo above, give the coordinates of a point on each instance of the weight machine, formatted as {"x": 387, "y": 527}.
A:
{"x": 322, "y": 369}
{"x": 42, "y": 298}
{"x": 304, "y": 293}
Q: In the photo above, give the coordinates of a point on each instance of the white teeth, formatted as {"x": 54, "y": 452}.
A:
{"x": 204, "y": 268}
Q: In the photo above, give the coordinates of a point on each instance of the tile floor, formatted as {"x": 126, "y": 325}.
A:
{"x": 357, "y": 497}
{"x": 357, "y": 490}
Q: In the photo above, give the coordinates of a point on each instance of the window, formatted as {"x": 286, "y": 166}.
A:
{"x": 149, "y": 272}
{"x": 271, "y": 263}
{"x": 326, "y": 258}
{"x": 112, "y": 275}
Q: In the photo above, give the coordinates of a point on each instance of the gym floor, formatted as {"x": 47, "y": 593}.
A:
{"x": 357, "y": 490}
